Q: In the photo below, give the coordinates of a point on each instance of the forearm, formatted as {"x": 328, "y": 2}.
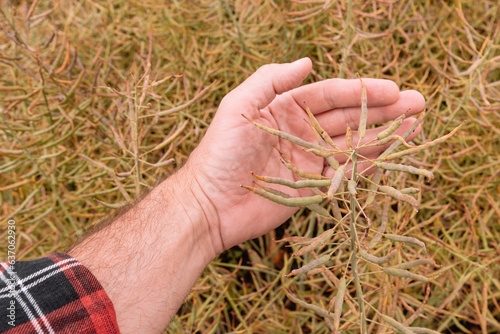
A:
{"x": 149, "y": 258}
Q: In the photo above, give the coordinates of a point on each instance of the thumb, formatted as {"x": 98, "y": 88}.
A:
{"x": 270, "y": 80}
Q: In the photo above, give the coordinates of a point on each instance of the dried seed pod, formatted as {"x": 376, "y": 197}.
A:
{"x": 291, "y": 201}
{"x": 336, "y": 209}
{"x": 313, "y": 207}
{"x": 405, "y": 168}
{"x": 293, "y": 184}
{"x": 311, "y": 265}
{"x": 399, "y": 196}
{"x": 333, "y": 162}
{"x": 295, "y": 240}
{"x": 424, "y": 146}
{"x": 410, "y": 191}
{"x": 339, "y": 301}
{"x": 336, "y": 181}
{"x": 383, "y": 224}
{"x": 405, "y": 135}
{"x": 405, "y": 273}
{"x": 397, "y": 325}
{"x": 421, "y": 330}
{"x": 329, "y": 156}
{"x": 348, "y": 138}
{"x": 392, "y": 127}
{"x": 255, "y": 258}
{"x": 284, "y": 135}
{"x": 377, "y": 259}
{"x": 364, "y": 111}
{"x": 320, "y": 130}
{"x": 322, "y": 153}
{"x": 392, "y": 138}
{"x": 316, "y": 271}
{"x": 299, "y": 172}
{"x": 322, "y": 312}
{"x": 351, "y": 186}
{"x": 316, "y": 243}
{"x": 411, "y": 264}
{"x": 406, "y": 240}
{"x": 273, "y": 191}
{"x": 320, "y": 210}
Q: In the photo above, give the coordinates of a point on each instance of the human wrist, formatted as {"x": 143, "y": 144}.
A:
{"x": 188, "y": 202}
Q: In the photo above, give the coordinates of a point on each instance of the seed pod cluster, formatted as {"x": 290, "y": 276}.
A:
{"x": 347, "y": 208}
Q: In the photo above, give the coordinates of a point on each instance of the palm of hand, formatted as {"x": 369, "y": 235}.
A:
{"x": 233, "y": 148}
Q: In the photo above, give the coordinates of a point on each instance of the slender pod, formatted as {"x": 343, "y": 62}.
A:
{"x": 397, "y": 325}
{"x": 318, "y": 137}
{"x": 392, "y": 138}
{"x": 411, "y": 264}
{"x": 291, "y": 201}
{"x": 336, "y": 209}
{"x": 313, "y": 207}
{"x": 299, "y": 172}
{"x": 311, "y": 265}
{"x": 320, "y": 130}
{"x": 383, "y": 224}
{"x": 322, "y": 153}
{"x": 348, "y": 137}
{"x": 339, "y": 301}
{"x": 405, "y": 168}
{"x": 405, "y": 135}
{"x": 295, "y": 240}
{"x": 423, "y": 146}
{"x": 293, "y": 184}
{"x": 377, "y": 259}
{"x": 421, "y": 330}
{"x": 274, "y": 191}
{"x": 316, "y": 242}
{"x": 410, "y": 191}
{"x": 314, "y": 308}
{"x": 405, "y": 273}
{"x": 364, "y": 111}
{"x": 392, "y": 127}
{"x": 329, "y": 157}
{"x": 406, "y": 240}
{"x": 317, "y": 271}
{"x": 333, "y": 162}
{"x": 284, "y": 135}
{"x": 336, "y": 181}
{"x": 399, "y": 196}
{"x": 320, "y": 210}
{"x": 351, "y": 186}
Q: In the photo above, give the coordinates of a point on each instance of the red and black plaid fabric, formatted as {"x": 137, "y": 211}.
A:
{"x": 53, "y": 294}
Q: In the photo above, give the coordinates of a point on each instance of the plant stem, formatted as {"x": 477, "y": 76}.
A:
{"x": 354, "y": 258}
{"x": 349, "y": 31}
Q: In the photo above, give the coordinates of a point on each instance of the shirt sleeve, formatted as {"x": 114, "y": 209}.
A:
{"x": 53, "y": 294}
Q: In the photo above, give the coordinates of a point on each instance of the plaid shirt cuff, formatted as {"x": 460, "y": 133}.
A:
{"x": 53, "y": 294}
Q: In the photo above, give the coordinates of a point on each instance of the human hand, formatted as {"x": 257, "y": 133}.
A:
{"x": 233, "y": 148}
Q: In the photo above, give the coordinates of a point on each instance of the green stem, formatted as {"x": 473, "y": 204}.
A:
{"x": 349, "y": 31}
{"x": 354, "y": 258}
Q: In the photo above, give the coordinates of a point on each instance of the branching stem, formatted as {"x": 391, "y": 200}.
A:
{"x": 354, "y": 258}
